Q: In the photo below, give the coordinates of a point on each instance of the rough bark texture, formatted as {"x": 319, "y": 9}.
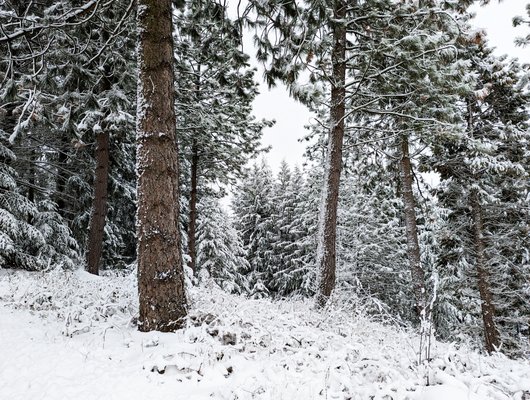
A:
{"x": 326, "y": 261}
{"x": 413, "y": 246}
{"x": 160, "y": 273}
{"x": 193, "y": 208}
{"x": 96, "y": 230}
{"x": 491, "y": 335}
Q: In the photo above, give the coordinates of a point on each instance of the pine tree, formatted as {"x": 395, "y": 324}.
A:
{"x": 485, "y": 175}
{"x": 214, "y": 104}
{"x": 160, "y": 272}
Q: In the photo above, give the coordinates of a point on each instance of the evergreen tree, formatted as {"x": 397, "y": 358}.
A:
{"x": 484, "y": 188}
{"x": 33, "y": 235}
{"x": 215, "y": 90}
{"x": 220, "y": 253}
{"x": 292, "y": 253}
{"x": 253, "y": 208}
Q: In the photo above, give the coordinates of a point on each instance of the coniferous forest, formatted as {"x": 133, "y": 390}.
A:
{"x": 135, "y": 195}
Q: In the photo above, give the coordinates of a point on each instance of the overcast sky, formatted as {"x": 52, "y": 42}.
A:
{"x": 290, "y": 116}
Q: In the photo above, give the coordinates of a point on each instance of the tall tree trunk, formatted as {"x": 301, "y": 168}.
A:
{"x": 96, "y": 230}
{"x": 193, "y": 207}
{"x": 413, "y": 246}
{"x": 62, "y": 176}
{"x": 491, "y": 335}
{"x": 326, "y": 254}
{"x": 160, "y": 273}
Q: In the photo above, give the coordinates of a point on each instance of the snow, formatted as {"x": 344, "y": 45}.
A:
{"x": 66, "y": 335}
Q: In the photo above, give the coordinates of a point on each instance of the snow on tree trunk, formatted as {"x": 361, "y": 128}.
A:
{"x": 99, "y": 205}
{"x": 160, "y": 273}
{"x": 413, "y": 247}
{"x": 326, "y": 253}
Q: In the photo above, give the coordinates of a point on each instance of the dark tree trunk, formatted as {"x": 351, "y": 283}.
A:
{"x": 62, "y": 177}
{"x": 413, "y": 246}
{"x": 96, "y": 230}
{"x": 491, "y": 335}
{"x": 326, "y": 258}
{"x": 160, "y": 274}
{"x": 193, "y": 208}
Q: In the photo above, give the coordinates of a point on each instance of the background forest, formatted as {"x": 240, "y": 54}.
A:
{"x": 422, "y": 143}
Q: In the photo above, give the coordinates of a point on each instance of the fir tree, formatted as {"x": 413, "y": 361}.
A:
{"x": 220, "y": 252}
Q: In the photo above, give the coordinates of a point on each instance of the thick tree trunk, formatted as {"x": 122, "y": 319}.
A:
{"x": 193, "y": 208}
{"x": 413, "y": 246}
{"x": 491, "y": 335}
{"x": 96, "y": 230}
{"x": 326, "y": 254}
{"x": 160, "y": 273}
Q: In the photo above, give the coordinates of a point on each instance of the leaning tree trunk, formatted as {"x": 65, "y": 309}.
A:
{"x": 96, "y": 230}
{"x": 160, "y": 273}
{"x": 192, "y": 224}
{"x": 413, "y": 246}
{"x": 326, "y": 253}
{"x": 491, "y": 335}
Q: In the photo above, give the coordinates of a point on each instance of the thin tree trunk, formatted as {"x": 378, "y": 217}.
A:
{"x": 326, "y": 254}
{"x": 60, "y": 187}
{"x": 413, "y": 246}
{"x": 491, "y": 335}
{"x": 193, "y": 208}
{"x": 96, "y": 230}
{"x": 160, "y": 273}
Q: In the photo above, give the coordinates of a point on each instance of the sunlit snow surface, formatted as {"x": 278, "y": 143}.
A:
{"x": 72, "y": 336}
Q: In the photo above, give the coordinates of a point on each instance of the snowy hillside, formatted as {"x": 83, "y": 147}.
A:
{"x": 70, "y": 335}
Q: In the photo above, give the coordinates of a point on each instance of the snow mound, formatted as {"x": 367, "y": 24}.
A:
{"x": 233, "y": 348}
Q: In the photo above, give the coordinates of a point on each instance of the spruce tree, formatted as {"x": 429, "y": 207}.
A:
{"x": 220, "y": 252}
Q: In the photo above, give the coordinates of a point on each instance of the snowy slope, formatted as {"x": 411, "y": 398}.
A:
{"x": 72, "y": 336}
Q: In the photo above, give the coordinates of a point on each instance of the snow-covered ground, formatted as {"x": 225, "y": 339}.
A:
{"x": 70, "y": 335}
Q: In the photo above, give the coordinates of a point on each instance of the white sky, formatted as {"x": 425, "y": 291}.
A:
{"x": 290, "y": 116}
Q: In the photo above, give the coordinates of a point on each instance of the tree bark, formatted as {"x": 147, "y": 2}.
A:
{"x": 411, "y": 227}
{"x": 491, "y": 335}
{"x": 160, "y": 273}
{"x": 193, "y": 208}
{"x": 60, "y": 188}
{"x": 326, "y": 254}
{"x": 96, "y": 230}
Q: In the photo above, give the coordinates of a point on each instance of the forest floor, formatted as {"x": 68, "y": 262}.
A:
{"x": 70, "y": 335}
